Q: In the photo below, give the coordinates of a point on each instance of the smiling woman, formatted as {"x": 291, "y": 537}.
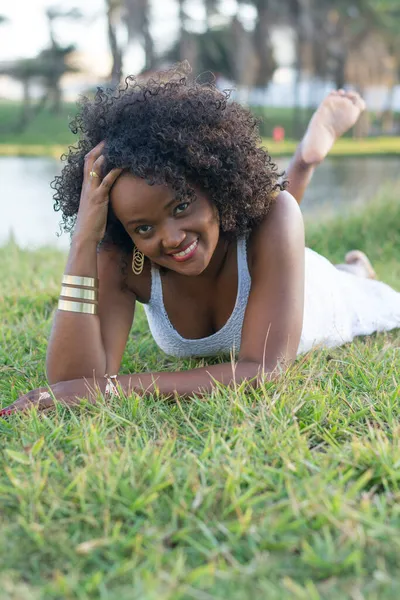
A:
{"x": 166, "y": 230}
{"x": 170, "y": 176}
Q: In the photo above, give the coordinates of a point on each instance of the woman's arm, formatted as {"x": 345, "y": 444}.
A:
{"x": 182, "y": 383}
{"x": 85, "y": 345}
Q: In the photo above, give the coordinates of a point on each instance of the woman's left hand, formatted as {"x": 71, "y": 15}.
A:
{"x": 67, "y": 392}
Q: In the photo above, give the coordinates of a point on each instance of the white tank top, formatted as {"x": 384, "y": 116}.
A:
{"x": 223, "y": 341}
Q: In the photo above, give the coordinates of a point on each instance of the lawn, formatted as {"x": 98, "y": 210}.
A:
{"x": 289, "y": 492}
{"x": 49, "y": 135}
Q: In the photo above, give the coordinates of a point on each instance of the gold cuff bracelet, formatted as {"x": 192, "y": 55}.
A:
{"x": 73, "y": 292}
{"x": 79, "y": 307}
{"x": 78, "y": 280}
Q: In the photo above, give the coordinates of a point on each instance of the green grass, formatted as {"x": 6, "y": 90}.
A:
{"x": 47, "y": 129}
{"x": 289, "y": 492}
{"x": 49, "y": 135}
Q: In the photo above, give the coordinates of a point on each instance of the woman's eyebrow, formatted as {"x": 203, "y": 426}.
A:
{"x": 144, "y": 220}
{"x": 133, "y": 221}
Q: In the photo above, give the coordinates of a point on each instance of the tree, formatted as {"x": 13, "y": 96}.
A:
{"x": 25, "y": 71}
{"x": 227, "y": 48}
{"x": 343, "y": 41}
{"x": 266, "y": 15}
{"x": 47, "y": 68}
{"x": 53, "y": 64}
{"x": 55, "y": 60}
{"x": 138, "y": 20}
{"x": 113, "y": 11}
{"x": 127, "y": 21}
{"x": 389, "y": 14}
{"x": 187, "y": 42}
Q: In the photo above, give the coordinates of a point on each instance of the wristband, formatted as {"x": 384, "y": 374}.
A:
{"x": 79, "y": 307}
{"x": 82, "y": 294}
{"x": 78, "y": 280}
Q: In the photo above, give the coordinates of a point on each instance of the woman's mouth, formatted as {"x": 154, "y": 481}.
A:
{"x": 186, "y": 253}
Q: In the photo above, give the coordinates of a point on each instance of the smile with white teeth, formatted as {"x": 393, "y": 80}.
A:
{"x": 187, "y": 251}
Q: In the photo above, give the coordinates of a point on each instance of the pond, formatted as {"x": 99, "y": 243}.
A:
{"x": 27, "y": 206}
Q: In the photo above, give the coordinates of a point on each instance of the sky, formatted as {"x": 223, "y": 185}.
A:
{"x": 26, "y": 33}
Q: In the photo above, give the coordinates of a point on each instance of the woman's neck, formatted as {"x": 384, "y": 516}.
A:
{"x": 218, "y": 259}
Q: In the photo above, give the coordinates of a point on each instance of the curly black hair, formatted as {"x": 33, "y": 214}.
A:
{"x": 181, "y": 133}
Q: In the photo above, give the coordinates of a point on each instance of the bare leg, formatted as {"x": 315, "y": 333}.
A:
{"x": 357, "y": 263}
{"x": 335, "y": 115}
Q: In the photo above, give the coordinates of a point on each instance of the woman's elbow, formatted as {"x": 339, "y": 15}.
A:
{"x": 57, "y": 371}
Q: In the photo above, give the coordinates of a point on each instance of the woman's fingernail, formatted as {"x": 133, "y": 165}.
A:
{"x": 5, "y": 411}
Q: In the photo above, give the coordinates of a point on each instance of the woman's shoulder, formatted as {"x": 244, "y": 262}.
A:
{"x": 115, "y": 268}
{"x": 284, "y": 208}
{"x": 283, "y": 221}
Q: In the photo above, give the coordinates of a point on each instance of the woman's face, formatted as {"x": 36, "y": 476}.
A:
{"x": 179, "y": 235}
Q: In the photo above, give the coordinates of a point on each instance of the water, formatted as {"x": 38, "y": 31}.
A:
{"x": 27, "y": 206}
{"x": 26, "y": 202}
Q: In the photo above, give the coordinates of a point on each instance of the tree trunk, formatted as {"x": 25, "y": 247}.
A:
{"x": 26, "y": 112}
{"x": 388, "y": 115}
{"x": 187, "y": 43}
{"x": 304, "y": 34}
{"x": 150, "y": 58}
{"x": 262, "y": 44}
{"x": 189, "y": 51}
{"x": 244, "y": 60}
{"x": 116, "y": 52}
{"x": 340, "y": 69}
{"x": 56, "y": 93}
{"x": 26, "y": 103}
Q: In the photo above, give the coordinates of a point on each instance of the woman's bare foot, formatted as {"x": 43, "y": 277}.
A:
{"x": 358, "y": 264}
{"x": 335, "y": 115}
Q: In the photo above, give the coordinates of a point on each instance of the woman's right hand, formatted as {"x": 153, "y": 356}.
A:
{"x": 93, "y": 206}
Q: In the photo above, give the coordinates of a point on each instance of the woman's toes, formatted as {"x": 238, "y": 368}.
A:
{"x": 356, "y": 99}
{"x": 357, "y": 257}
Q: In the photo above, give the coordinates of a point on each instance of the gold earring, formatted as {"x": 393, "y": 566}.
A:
{"x": 137, "y": 261}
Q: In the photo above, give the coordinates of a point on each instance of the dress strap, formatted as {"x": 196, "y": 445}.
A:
{"x": 156, "y": 295}
{"x": 244, "y": 278}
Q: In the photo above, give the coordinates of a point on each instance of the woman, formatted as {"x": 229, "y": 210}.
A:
{"x": 171, "y": 178}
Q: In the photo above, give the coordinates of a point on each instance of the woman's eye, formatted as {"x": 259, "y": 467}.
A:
{"x": 181, "y": 207}
{"x": 143, "y": 229}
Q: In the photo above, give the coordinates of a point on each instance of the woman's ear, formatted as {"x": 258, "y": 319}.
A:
{"x": 217, "y": 215}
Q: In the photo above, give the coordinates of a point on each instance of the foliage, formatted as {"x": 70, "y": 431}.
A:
{"x": 214, "y": 52}
{"x": 48, "y": 134}
{"x": 47, "y": 68}
{"x": 290, "y": 492}
{"x": 346, "y": 42}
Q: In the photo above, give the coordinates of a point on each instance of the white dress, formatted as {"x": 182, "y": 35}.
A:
{"x": 337, "y": 307}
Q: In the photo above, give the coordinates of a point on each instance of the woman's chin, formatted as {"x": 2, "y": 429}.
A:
{"x": 191, "y": 268}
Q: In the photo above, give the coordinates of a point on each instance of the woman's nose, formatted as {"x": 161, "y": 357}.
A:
{"x": 172, "y": 238}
